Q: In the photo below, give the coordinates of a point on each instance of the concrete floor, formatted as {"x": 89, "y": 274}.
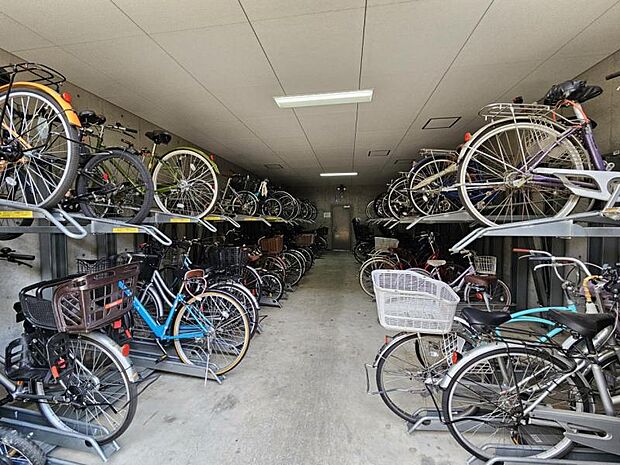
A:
{"x": 297, "y": 398}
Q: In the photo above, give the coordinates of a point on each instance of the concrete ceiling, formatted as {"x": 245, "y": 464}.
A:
{"x": 208, "y": 69}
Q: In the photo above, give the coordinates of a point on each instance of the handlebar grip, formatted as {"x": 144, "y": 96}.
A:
{"x": 131, "y": 131}
{"x": 612, "y": 76}
{"x": 519, "y": 250}
{"x": 19, "y": 256}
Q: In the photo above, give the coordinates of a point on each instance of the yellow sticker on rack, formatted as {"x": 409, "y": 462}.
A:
{"x": 180, "y": 220}
{"x": 211, "y": 218}
{"x": 12, "y": 214}
{"x": 125, "y": 230}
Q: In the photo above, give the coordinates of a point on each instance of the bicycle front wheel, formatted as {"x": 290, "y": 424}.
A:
{"x": 213, "y": 331}
{"x": 99, "y": 399}
{"x": 41, "y": 147}
{"x": 115, "y": 184}
{"x": 486, "y": 398}
{"x": 185, "y": 183}
{"x": 365, "y": 273}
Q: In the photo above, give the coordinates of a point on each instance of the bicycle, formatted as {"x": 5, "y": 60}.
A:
{"x": 112, "y": 182}
{"x": 81, "y": 379}
{"x": 39, "y": 148}
{"x": 208, "y": 328}
{"x": 519, "y": 377}
{"x": 412, "y": 364}
{"x": 478, "y": 283}
{"x": 246, "y": 202}
{"x": 530, "y": 161}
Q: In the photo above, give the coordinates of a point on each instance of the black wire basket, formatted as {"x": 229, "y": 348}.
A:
{"x": 225, "y": 257}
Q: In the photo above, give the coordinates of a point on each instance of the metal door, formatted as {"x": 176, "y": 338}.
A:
{"x": 341, "y": 227}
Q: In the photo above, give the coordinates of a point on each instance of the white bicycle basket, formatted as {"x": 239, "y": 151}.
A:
{"x": 485, "y": 264}
{"x": 408, "y": 301}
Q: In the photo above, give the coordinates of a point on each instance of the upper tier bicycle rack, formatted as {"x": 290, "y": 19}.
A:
{"x": 72, "y": 225}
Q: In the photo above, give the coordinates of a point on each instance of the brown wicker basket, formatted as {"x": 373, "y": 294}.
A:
{"x": 272, "y": 245}
{"x": 94, "y": 300}
{"x": 304, "y": 240}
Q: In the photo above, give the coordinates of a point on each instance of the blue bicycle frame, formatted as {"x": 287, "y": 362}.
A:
{"x": 161, "y": 330}
{"x": 523, "y": 316}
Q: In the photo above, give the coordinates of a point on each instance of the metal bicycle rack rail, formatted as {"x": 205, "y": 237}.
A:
{"x": 70, "y": 224}
{"x": 148, "y": 355}
{"x": 33, "y": 425}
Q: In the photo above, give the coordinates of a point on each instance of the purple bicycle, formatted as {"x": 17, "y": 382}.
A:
{"x": 534, "y": 160}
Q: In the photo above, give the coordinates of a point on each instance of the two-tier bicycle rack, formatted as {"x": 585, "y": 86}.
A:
{"x": 146, "y": 356}
{"x": 603, "y": 223}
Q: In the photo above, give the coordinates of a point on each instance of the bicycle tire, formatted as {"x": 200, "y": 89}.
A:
{"x": 430, "y": 364}
{"x": 211, "y": 303}
{"x": 481, "y": 365}
{"x": 29, "y": 452}
{"x": 142, "y": 190}
{"x": 365, "y": 273}
{"x": 130, "y": 404}
{"x": 505, "y": 297}
{"x": 245, "y": 203}
{"x": 167, "y": 185}
{"x": 273, "y": 286}
{"x": 471, "y": 191}
{"x": 45, "y": 196}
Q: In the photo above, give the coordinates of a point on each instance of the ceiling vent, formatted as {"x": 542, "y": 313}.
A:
{"x": 441, "y": 123}
{"x": 403, "y": 161}
{"x": 378, "y": 153}
{"x": 274, "y": 166}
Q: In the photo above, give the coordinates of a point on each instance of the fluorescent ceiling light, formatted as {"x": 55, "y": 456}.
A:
{"x": 332, "y": 98}
{"x": 338, "y": 174}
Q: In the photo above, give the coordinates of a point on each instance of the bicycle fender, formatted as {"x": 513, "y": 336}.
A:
{"x": 471, "y": 355}
{"x": 66, "y": 106}
{"x": 385, "y": 346}
{"x": 205, "y": 155}
{"x": 113, "y": 347}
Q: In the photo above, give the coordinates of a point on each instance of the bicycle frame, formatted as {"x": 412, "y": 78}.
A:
{"x": 161, "y": 330}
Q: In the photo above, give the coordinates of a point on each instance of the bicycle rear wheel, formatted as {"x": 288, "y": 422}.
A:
{"x": 486, "y": 397}
{"x": 101, "y": 399}
{"x": 185, "y": 183}
{"x": 495, "y": 181}
{"x": 429, "y": 186}
{"x": 115, "y": 184}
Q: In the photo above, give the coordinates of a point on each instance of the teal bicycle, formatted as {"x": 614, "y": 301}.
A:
{"x": 409, "y": 365}
{"x": 206, "y": 327}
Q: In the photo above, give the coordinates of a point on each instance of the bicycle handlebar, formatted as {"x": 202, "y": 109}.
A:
{"x": 612, "y": 76}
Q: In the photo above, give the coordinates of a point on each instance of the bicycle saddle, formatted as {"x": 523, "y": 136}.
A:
{"x": 584, "y": 324}
{"x": 89, "y": 118}
{"x": 482, "y": 320}
{"x": 436, "y": 263}
{"x": 573, "y": 89}
{"x": 159, "y": 137}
